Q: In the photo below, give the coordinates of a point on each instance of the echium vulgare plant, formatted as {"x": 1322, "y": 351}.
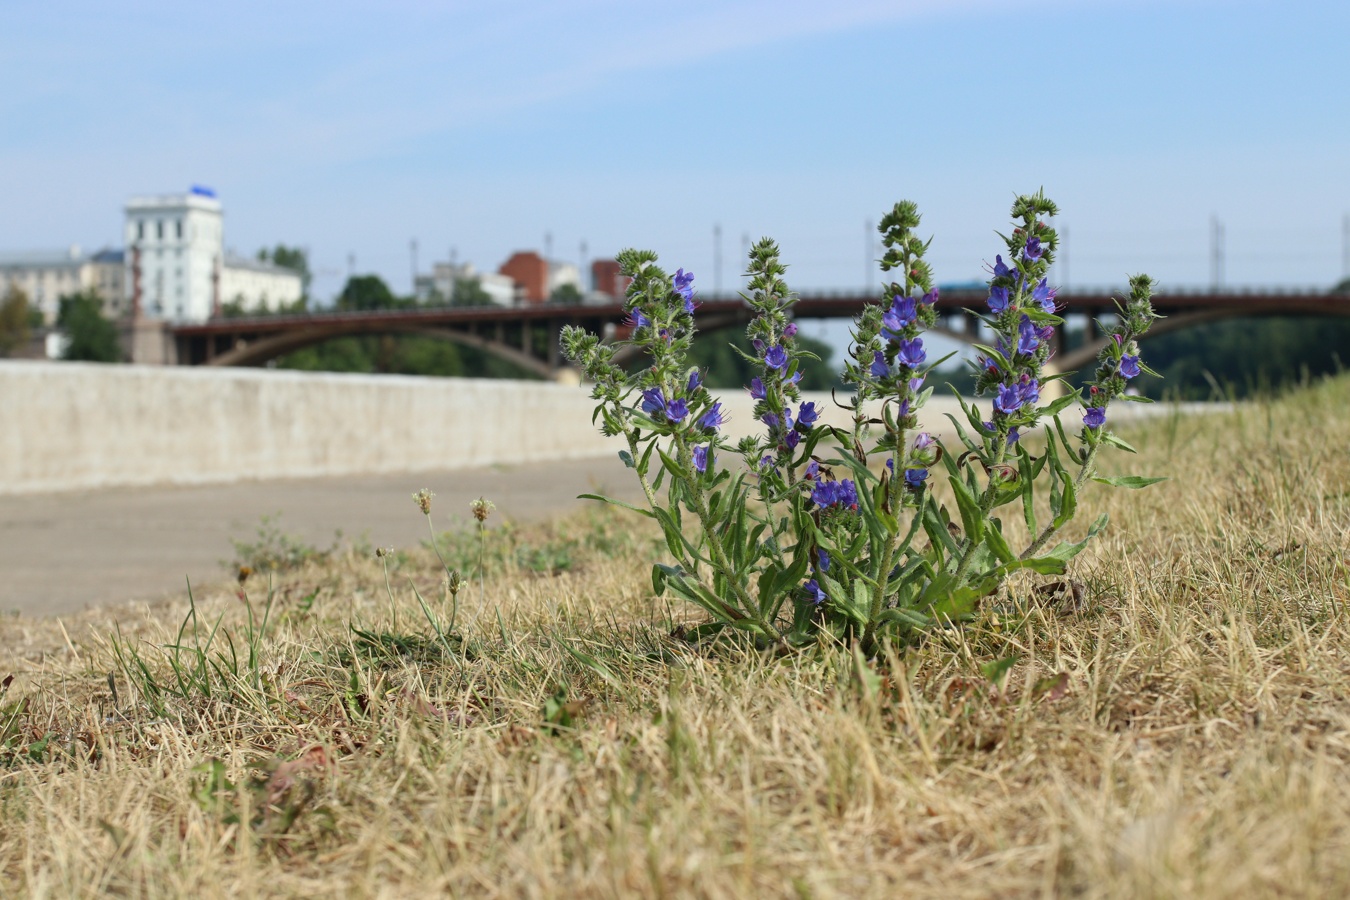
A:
{"x": 807, "y": 529}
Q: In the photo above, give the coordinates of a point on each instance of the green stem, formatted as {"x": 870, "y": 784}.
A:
{"x": 1050, "y": 530}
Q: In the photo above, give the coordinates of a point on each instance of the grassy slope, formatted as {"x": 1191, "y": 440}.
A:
{"x": 1200, "y": 747}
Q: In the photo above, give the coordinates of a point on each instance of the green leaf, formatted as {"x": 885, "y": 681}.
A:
{"x": 911, "y": 617}
{"x": 627, "y": 459}
{"x": 613, "y": 502}
{"x": 659, "y": 579}
{"x": 1134, "y": 482}
{"x": 1068, "y": 503}
{"x": 997, "y": 670}
{"x": 1114, "y": 441}
{"x": 1058, "y": 405}
{"x": 999, "y": 544}
{"x": 971, "y": 518}
{"x": 1066, "y": 551}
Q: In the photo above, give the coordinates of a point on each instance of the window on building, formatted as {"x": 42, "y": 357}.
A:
{"x": 159, "y": 229}
{"x": 140, "y": 231}
{"x": 178, "y": 223}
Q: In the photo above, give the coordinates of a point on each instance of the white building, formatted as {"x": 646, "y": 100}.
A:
{"x": 174, "y": 253}
{"x": 257, "y": 285}
{"x": 47, "y": 276}
{"x": 440, "y": 284}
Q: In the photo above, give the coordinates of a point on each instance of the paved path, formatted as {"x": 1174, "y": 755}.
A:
{"x": 62, "y": 552}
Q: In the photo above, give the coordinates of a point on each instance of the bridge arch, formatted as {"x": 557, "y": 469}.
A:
{"x": 263, "y": 350}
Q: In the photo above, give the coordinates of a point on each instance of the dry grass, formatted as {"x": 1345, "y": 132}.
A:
{"x": 1199, "y": 746}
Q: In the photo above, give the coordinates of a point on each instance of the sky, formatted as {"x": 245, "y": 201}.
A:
{"x": 354, "y": 128}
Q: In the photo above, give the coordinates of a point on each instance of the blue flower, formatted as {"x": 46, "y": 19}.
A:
{"x": 1033, "y": 250}
{"x": 701, "y": 458}
{"x": 792, "y": 439}
{"x": 676, "y": 410}
{"x": 766, "y": 462}
{"x": 879, "y": 369}
{"x": 930, "y": 298}
{"x": 790, "y": 330}
{"x": 916, "y": 477}
{"x": 776, "y": 358}
{"x": 1030, "y": 390}
{"x": 1044, "y": 294}
{"x": 848, "y": 494}
{"x": 1008, "y": 400}
{"x": 1028, "y": 338}
{"x": 653, "y": 402}
{"x": 1095, "y": 417}
{"x": 812, "y": 470}
{"x": 807, "y": 415}
{"x": 822, "y": 560}
{"x": 911, "y": 353}
{"x": 1000, "y": 270}
{"x": 901, "y": 315}
{"x": 713, "y": 418}
{"x": 757, "y": 388}
{"x": 770, "y": 419}
{"x": 923, "y": 440}
{"x": 684, "y": 286}
{"x": 915, "y": 383}
{"x": 794, "y": 378}
{"x": 814, "y": 593}
{"x": 1013, "y": 435}
{"x": 843, "y": 494}
{"x": 694, "y": 381}
{"x": 637, "y": 320}
{"x": 998, "y": 299}
{"x": 1129, "y": 366}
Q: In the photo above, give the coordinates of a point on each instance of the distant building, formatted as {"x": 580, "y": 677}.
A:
{"x": 173, "y": 255}
{"x": 258, "y": 285}
{"x": 46, "y": 276}
{"x": 529, "y": 271}
{"x": 442, "y": 283}
{"x": 176, "y": 267}
{"x": 608, "y": 279}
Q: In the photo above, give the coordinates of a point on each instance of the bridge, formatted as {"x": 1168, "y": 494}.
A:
{"x": 528, "y": 335}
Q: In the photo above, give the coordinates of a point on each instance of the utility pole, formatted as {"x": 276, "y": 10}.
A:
{"x": 717, "y": 258}
{"x": 412, "y": 246}
{"x": 351, "y": 265}
{"x": 869, "y": 245}
{"x": 1215, "y": 253}
{"x": 548, "y": 246}
{"x": 1345, "y": 246}
{"x": 581, "y": 262}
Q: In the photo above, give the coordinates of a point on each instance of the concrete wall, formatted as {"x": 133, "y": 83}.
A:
{"x": 66, "y": 426}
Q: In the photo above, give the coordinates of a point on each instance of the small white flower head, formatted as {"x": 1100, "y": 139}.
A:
{"x": 423, "y": 500}
{"x": 481, "y": 508}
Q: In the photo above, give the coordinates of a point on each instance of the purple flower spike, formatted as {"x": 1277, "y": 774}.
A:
{"x": 701, "y": 458}
{"x": 1008, "y": 400}
{"x": 1033, "y": 251}
{"x": 814, "y": 593}
{"x": 1044, "y": 294}
{"x": 912, "y": 353}
{"x": 676, "y": 410}
{"x": 684, "y": 285}
{"x": 713, "y": 418}
{"x": 879, "y": 369}
{"x": 807, "y": 415}
{"x": 916, "y": 477}
{"x": 653, "y": 402}
{"x": 1129, "y": 366}
{"x": 1095, "y": 417}
{"x": 776, "y": 358}
{"x": 757, "y": 388}
{"x": 1028, "y": 338}
{"x": 998, "y": 299}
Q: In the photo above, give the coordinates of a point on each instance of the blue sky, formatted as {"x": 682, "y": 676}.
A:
{"x": 355, "y": 127}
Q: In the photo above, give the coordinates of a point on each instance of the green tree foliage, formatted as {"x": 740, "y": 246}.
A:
{"x": 292, "y": 258}
{"x": 401, "y": 355}
{"x": 91, "y": 337}
{"x": 369, "y": 292}
{"x": 725, "y": 368}
{"x": 566, "y": 293}
{"x": 1245, "y": 356}
{"x": 15, "y": 318}
{"x": 469, "y": 292}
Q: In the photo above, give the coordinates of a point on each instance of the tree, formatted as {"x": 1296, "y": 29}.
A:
{"x": 469, "y": 292}
{"x": 91, "y": 337}
{"x": 15, "y": 318}
{"x": 368, "y": 292}
{"x": 293, "y": 258}
{"x": 566, "y": 293}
